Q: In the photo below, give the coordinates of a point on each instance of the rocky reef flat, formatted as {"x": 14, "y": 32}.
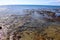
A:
{"x": 34, "y": 24}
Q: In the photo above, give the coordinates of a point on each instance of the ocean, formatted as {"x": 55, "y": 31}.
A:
{"x": 29, "y": 6}
{"x": 16, "y": 9}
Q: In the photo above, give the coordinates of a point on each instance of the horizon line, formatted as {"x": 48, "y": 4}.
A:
{"x": 28, "y": 4}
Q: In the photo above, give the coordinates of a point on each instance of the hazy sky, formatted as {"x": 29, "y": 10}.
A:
{"x": 31, "y": 2}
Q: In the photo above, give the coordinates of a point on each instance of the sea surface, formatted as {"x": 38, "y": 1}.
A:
{"x": 16, "y": 9}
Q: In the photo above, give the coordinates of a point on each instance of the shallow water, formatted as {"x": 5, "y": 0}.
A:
{"x": 15, "y": 9}
{"x": 29, "y": 22}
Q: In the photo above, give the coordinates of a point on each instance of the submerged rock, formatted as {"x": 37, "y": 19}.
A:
{"x": 34, "y": 25}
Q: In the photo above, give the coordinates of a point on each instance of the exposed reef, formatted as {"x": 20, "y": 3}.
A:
{"x": 34, "y": 24}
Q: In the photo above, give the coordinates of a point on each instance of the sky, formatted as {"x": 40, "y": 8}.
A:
{"x": 30, "y": 2}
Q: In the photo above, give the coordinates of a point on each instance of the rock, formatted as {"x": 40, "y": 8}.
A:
{"x": 31, "y": 28}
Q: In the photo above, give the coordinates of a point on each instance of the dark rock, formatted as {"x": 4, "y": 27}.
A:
{"x": 0, "y": 27}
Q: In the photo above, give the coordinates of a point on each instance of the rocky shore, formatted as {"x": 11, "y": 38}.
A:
{"x": 35, "y": 24}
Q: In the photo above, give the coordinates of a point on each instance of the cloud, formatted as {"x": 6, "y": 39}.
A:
{"x": 55, "y": 1}
{"x": 58, "y": 0}
{"x": 33, "y": 2}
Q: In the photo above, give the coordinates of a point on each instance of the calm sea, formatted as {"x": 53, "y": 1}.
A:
{"x": 29, "y": 6}
{"x": 15, "y": 9}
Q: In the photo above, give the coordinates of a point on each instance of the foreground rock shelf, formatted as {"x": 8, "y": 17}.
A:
{"x": 33, "y": 25}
